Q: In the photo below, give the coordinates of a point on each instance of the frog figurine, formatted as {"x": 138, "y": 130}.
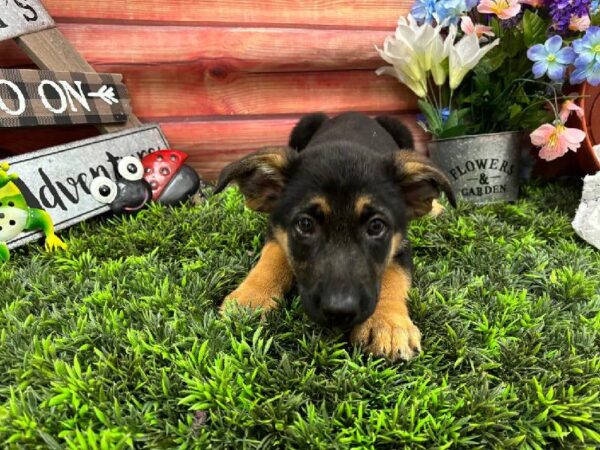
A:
{"x": 16, "y": 216}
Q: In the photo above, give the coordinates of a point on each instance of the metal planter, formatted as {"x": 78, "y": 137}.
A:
{"x": 482, "y": 168}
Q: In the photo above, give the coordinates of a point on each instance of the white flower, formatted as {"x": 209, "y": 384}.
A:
{"x": 464, "y": 56}
{"x": 440, "y": 51}
{"x": 420, "y": 37}
{"x": 413, "y": 51}
{"x": 405, "y": 66}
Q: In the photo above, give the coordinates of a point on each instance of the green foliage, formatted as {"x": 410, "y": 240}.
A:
{"x": 500, "y": 94}
{"x": 117, "y": 342}
{"x": 535, "y": 29}
{"x": 452, "y": 127}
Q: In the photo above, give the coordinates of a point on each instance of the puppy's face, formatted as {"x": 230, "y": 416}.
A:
{"x": 340, "y": 212}
{"x": 338, "y": 247}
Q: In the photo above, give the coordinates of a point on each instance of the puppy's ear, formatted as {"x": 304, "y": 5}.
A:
{"x": 261, "y": 176}
{"x": 306, "y": 129}
{"x": 421, "y": 182}
{"x": 398, "y": 131}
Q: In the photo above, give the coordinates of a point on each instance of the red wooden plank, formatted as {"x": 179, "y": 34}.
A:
{"x": 211, "y": 144}
{"x": 214, "y": 48}
{"x": 185, "y": 92}
{"x": 351, "y": 13}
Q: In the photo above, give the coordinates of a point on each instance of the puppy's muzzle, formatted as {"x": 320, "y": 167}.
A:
{"x": 340, "y": 310}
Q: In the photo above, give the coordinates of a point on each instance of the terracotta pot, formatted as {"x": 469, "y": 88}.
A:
{"x": 589, "y": 160}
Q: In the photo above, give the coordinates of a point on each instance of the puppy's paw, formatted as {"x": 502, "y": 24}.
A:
{"x": 252, "y": 297}
{"x": 437, "y": 209}
{"x": 394, "y": 337}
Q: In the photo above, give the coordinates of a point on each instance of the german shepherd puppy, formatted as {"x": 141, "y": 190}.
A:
{"x": 340, "y": 198}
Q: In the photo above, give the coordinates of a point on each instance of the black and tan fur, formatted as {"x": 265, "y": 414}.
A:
{"x": 340, "y": 198}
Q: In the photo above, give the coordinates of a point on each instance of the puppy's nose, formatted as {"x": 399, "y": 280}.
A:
{"x": 340, "y": 310}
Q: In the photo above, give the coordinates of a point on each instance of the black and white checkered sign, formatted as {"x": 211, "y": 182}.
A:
{"x": 31, "y": 98}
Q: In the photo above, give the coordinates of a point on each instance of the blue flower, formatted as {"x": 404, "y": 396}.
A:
{"x": 586, "y": 72}
{"x": 426, "y": 11}
{"x": 587, "y": 63}
{"x": 451, "y": 10}
{"x": 551, "y": 58}
{"x": 444, "y": 113}
{"x": 594, "y": 7}
{"x": 423, "y": 10}
{"x": 588, "y": 47}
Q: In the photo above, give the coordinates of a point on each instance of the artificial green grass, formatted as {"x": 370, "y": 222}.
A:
{"x": 117, "y": 343}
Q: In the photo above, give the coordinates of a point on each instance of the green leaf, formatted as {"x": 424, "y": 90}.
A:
{"x": 433, "y": 117}
{"x": 534, "y": 29}
{"x": 515, "y": 110}
{"x": 595, "y": 437}
{"x": 513, "y": 43}
{"x": 458, "y": 130}
{"x": 497, "y": 27}
{"x": 491, "y": 62}
{"x": 101, "y": 417}
{"x": 58, "y": 399}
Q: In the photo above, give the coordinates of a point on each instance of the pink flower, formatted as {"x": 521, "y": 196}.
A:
{"x": 556, "y": 140}
{"x": 504, "y": 9}
{"x": 567, "y": 108}
{"x": 466, "y": 24}
{"x": 579, "y": 23}
{"x": 533, "y": 3}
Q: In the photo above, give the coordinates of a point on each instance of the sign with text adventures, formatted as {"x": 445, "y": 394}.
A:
{"x": 19, "y": 17}
{"x": 40, "y": 97}
{"x": 58, "y": 179}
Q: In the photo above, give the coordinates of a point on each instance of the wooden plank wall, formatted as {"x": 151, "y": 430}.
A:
{"x": 224, "y": 77}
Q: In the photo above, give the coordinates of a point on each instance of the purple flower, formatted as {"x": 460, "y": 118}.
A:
{"x": 561, "y": 12}
{"x": 551, "y": 58}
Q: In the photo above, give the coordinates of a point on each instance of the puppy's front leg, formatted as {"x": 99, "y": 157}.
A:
{"x": 271, "y": 278}
{"x": 389, "y": 331}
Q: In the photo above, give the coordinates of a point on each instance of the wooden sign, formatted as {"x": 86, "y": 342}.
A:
{"x": 19, "y": 17}
{"x": 33, "y": 97}
{"x": 58, "y": 179}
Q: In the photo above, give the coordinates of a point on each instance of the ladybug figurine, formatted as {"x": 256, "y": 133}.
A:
{"x": 170, "y": 179}
{"x": 161, "y": 176}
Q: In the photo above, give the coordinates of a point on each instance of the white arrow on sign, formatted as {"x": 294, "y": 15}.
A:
{"x": 107, "y": 94}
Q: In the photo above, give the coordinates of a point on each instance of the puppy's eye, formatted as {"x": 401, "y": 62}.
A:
{"x": 305, "y": 225}
{"x": 376, "y": 227}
